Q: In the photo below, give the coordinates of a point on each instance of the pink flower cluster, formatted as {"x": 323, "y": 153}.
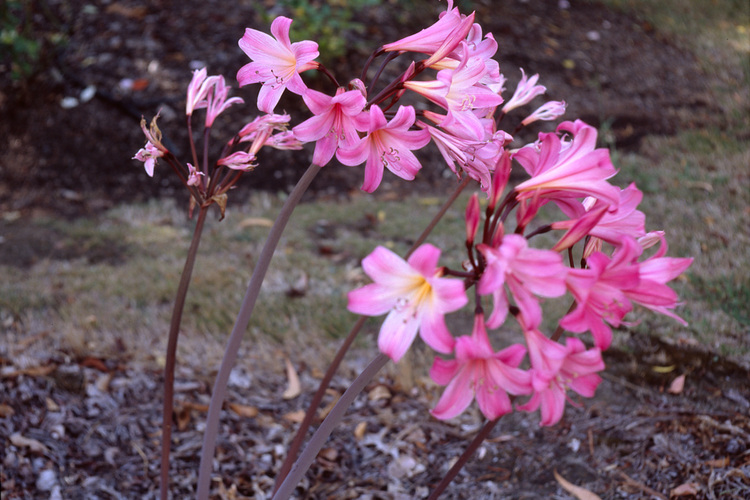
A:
{"x": 460, "y": 90}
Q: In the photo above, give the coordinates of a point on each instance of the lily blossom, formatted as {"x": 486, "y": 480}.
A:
{"x": 414, "y": 295}
{"x": 599, "y": 291}
{"x": 526, "y": 90}
{"x": 333, "y": 125}
{"x": 556, "y": 368}
{"x": 551, "y": 110}
{"x": 277, "y": 62}
{"x": 654, "y": 272}
{"x": 526, "y": 271}
{"x": 386, "y": 145}
{"x": 429, "y": 40}
{"x": 239, "y": 160}
{"x": 194, "y": 176}
{"x": 479, "y": 372}
{"x": 197, "y": 90}
{"x": 568, "y": 169}
{"x": 148, "y": 155}
{"x": 216, "y": 100}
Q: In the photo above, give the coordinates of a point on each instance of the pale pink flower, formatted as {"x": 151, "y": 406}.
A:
{"x": 386, "y": 145}
{"x": 599, "y": 291}
{"x": 284, "y": 140}
{"x": 555, "y": 369}
{"x": 526, "y": 91}
{"x": 333, "y": 125}
{"x": 239, "y": 160}
{"x": 197, "y": 89}
{"x": 551, "y": 110}
{"x": 148, "y": 155}
{"x": 568, "y": 169}
{"x": 526, "y": 271}
{"x": 277, "y": 62}
{"x": 414, "y": 295}
{"x": 479, "y": 372}
{"x": 216, "y": 100}
{"x": 194, "y": 176}
{"x": 654, "y": 272}
{"x": 259, "y": 133}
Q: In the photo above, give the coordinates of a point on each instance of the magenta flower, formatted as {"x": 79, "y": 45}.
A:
{"x": 568, "y": 169}
{"x": 554, "y": 369}
{"x": 386, "y": 145}
{"x": 654, "y": 272}
{"x": 527, "y": 272}
{"x": 479, "y": 372}
{"x": 526, "y": 91}
{"x": 429, "y": 40}
{"x": 414, "y": 295}
{"x": 333, "y": 125}
{"x": 277, "y": 62}
{"x": 599, "y": 291}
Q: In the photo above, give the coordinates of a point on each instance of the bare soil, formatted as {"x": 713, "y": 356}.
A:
{"x": 82, "y": 427}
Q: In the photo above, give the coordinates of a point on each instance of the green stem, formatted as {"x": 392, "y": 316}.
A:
{"x": 240, "y": 325}
{"x": 321, "y": 435}
{"x": 318, "y": 397}
{"x": 169, "y": 365}
{"x": 468, "y": 452}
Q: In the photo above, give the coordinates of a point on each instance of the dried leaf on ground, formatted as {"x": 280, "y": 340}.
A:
{"x": 294, "y": 388}
{"x": 576, "y": 491}
{"x": 32, "y": 444}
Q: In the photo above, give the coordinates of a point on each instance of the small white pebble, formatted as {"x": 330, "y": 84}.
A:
{"x": 593, "y": 35}
{"x": 47, "y": 480}
{"x": 88, "y": 93}
{"x": 68, "y": 102}
{"x": 574, "y": 444}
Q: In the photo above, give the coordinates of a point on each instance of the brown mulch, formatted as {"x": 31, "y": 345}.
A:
{"x": 90, "y": 428}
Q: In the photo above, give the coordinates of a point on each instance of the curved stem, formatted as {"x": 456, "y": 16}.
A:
{"x": 468, "y": 452}
{"x": 333, "y": 367}
{"x": 240, "y": 325}
{"x": 171, "y": 356}
{"x": 321, "y": 435}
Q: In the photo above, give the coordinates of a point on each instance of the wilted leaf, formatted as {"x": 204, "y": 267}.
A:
{"x": 6, "y": 411}
{"x": 23, "y": 442}
{"x": 359, "y": 431}
{"x": 379, "y": 392}
{"x": 664, "y": 369}
{"x": 295, "y": 416}
{"x": 685, "y": 489}
{"x": 719, "y": 463}
{"x": 244, "y": 411}
{"x": 576, "y": 491}
{"x": 677, "y": 385}
{"x": 294, "y": 388}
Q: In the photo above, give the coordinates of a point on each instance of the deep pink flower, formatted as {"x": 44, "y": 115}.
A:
{"x": 654, "y": 272}
{"x": 479, "y": 372}
{"x": 526, "y": 271}
{"x": 277, "y": 62}
{"x": 564, "y": 169}
{"x": 429, "y": 40}
{"x": 414, "y": 295}
{"x": 386, "y": 145}
{"x": 599, "y": 291}
{"x": 554, "y": 369}
{"x": 333, "y": 125}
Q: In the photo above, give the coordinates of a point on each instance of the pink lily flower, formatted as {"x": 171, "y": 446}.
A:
{"x": 194, "y": 176}
{"x": 599, "y": 291}
{"x": 216, "y": 100}
{"x": 277, "y": 62}
{"x": 594, "y": 218}
{"x": 555, "y": 369}
{"x": 654, "y": 272}
{"x": 526, "y": 271}
{"x": 239, "y": 160}
{"x": 429, "y": 40}
{"x": 457, "y": 92}
{"x": 148, "y": 155}
{"x": 568, "y": 169}
{"x": 415, "y": 296}
{"x": 197, "y": 89}
{"x": 333, "y": 125}
{"x": 551, "y": 110}
{"x": 386, "y": 145}
{"x": 479, "y": 372}
{"x": 259, "y": 133}
{"x": 526, "y": 91}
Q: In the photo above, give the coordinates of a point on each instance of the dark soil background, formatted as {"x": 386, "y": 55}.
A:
{"x": 89, "y": 428}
